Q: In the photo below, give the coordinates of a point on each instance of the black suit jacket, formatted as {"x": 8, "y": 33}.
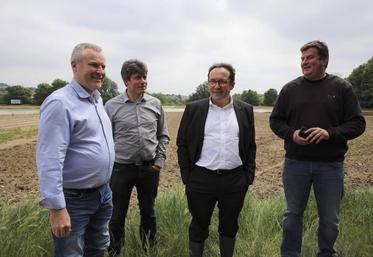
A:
{"x": 191, "y": 134}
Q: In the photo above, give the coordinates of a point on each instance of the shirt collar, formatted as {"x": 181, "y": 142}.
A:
{"x": 211, "y": 104}
{"x": 126, "y": 99}
{"x": 82, "y": 93}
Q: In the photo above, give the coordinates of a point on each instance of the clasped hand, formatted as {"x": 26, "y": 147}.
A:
{"x": 314, "y": 136}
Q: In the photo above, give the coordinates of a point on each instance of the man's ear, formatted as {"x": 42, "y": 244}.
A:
{"x": 73, "y": 65}
{"x": 125, "y": 82}
{"x": 232, "y": 85}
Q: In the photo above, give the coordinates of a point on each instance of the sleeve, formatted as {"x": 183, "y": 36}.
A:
{"x": 353, "y": 124}
{"x": 182, "y": 146}
{"x": 52, "y": 144}
{"x": 109, "y": 113}
{"x": 250, "y": 167}
{"x": 277, "y": 119}
{"x": 163, "y": 139}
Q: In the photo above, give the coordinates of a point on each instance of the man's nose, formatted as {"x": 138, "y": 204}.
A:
{"x": 100, "y": 69}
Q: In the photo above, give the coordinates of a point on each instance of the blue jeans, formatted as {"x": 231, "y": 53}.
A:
{"x": 90, "y": 214}
{"x": 327, "y": 181}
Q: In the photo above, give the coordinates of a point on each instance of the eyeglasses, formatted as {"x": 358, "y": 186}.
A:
{"x": 213, "y": 82}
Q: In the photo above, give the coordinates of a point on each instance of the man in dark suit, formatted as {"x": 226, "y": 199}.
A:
{"x": 216, "y": 154}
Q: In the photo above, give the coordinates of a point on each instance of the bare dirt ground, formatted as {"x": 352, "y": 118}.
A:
{"x": 18, "y": 175}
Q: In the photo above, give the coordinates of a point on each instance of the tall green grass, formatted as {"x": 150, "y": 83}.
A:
{"x": 25, "y": 231}
{"x": 17, "y": 133}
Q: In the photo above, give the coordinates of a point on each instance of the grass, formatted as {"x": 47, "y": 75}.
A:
{"x": 25, "y": 230}
{"x": 17, "y": 133}
{"x": 20, "y": 106}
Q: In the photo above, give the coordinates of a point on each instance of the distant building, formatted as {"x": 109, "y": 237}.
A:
{"x": 15, "y": 101}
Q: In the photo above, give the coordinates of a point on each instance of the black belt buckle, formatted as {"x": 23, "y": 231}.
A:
{"x": 219, "y": 171}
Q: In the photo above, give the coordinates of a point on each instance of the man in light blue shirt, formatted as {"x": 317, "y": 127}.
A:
{"x": 74, "y": 156}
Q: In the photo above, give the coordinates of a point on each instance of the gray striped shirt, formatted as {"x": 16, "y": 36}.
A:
{"x": 139, "y": 129}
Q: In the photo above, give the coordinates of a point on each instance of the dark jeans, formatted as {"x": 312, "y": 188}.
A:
{"x": 204, "y": 190}
{"x": 146, "y": 181}
{"x": 327, "y": 181}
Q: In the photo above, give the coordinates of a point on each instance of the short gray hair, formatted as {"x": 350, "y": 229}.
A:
{"x": 322, "y": 49}
{"x": 78, "y": 50}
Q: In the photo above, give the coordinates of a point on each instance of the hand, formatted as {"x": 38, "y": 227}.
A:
{"x": 156, "y": 167}
{"x": 298, "y": 139}
{"x": 316, "y": 135}
{"x": 60, "y": 222}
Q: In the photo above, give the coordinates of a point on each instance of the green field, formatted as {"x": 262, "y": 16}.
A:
{"x": 25, "y": 229}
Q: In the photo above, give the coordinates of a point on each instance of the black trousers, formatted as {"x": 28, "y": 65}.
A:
{"x": 146, "y": 181}
{"x": 204, "y": 190}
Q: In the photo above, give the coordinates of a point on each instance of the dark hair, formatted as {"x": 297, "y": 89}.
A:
{"x": 227, "y": 66}
{"x": 321, "y": 47}
{"x": 131, "y": 67}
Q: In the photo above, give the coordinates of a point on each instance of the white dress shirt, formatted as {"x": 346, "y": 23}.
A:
{"x": 220, "y": 148}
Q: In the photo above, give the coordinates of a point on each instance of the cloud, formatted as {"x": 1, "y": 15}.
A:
{"x": 180, "y": 39}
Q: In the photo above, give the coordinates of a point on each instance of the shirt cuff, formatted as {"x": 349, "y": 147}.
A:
{"x": 56, "y": 202}
{"x": 159, "y": 162}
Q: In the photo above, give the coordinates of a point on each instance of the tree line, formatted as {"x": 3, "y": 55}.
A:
{"x": 37, "y": 95}
{"x": 249, "y": 96}
{"x": 361, "y": 79}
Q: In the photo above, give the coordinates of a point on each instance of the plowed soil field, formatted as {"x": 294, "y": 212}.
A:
{"x": 18, "y": 175}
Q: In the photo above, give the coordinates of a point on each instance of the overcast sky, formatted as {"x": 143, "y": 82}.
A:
{"x": 180, "y": 39}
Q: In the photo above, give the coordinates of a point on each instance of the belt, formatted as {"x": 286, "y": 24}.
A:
{"x": 83, "y": 190}
{"x": 139, "y": 163}
{"x": 222, "y": 171}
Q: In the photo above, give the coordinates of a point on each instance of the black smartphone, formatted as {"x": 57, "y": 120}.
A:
{"x": 302, "y": 132}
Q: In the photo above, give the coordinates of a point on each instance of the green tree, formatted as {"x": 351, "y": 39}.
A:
{"x": 202, "y": 91}
{"x": 237, "y": 96}
{"x": 57, "y": 84}
{"x": 42, "y": 91}
{"x": 251, "y": 97}
{"x": 162, "y": 97}
{"x": 176, "y": 100}
{"x": 2, "y": 98}
{"x": 361, "y": 79}
{"x": 109, "y": 89}
{"x": 270, "y": 97}
{"x": 18, "y": 92}
{"x": 168, "y": 99}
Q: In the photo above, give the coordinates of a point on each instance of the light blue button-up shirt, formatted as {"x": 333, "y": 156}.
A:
{"x": 75, "y": 147}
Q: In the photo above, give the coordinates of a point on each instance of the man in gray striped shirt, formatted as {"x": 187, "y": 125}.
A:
{"x": 140, "y": 137}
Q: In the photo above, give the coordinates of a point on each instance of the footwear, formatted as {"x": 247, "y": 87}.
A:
{"x": 196, "y": 249}
{"x": 226, "y": 246}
